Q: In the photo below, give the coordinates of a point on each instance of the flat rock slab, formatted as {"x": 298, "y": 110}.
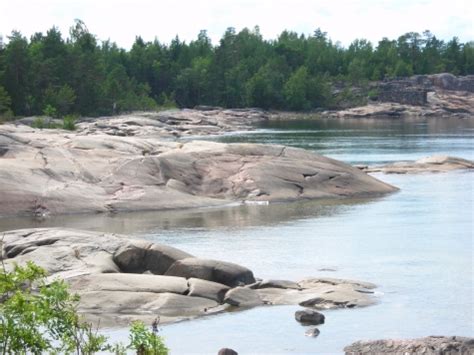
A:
{"x": 121, "y": 279}
{"x": 432, "y": 164}
{"x": 433, "y": 345}
{"x": 46, "y": 172}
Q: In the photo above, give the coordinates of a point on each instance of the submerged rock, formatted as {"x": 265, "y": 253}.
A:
{"x": 433, "y": 345}
{"x": 312, "y": 332}
{"x": 121, "y": 279}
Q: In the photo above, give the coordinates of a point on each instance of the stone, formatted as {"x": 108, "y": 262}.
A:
{"x": 207, "y": 289}
{"x": 243, "y": 297}
{"x": 49, "y": 172}
{"x": 432, "y": 164}
{"x": 116, "y": 277}
{"x": 309, "y": 316}
{"x": 312, "y": 332}
{"x": 278, "y": 284}
{"x": 432, "y": 345}
{"x": 156, "y": 258}
{"x": 222, "y": 272}
{"x": 119, "y": 282}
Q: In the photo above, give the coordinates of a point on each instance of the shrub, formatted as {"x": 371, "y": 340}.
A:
{"x": 50, "y": 111}
{"x": 69, "y": 122}
{"x": 40, "y": 317}
{"x": 38, "y": 123}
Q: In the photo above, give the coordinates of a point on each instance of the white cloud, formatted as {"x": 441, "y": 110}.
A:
{"x": 122, "y": 20}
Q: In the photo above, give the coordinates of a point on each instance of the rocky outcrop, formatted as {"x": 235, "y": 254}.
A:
{"x": 118, "y": 278}
{"x": 432, "y": 164}
{"x": 439, "y": 95}
{"x": 433, "y": 345}
{"x": 56, "y": 172}
{"x": 174, "y": 123}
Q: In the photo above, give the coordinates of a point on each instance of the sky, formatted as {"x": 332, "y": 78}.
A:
{"x": 343, "y": 20}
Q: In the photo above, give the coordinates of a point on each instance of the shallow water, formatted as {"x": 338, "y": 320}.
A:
{"x": 416, "y": 245}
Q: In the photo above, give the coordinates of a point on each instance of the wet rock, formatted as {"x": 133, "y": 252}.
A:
{"x": 309, "y": 316}
{"x": 312, "y": 332}
{"x": 433, "y": 345}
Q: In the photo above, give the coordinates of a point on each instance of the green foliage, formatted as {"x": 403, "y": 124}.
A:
{"x": 39, "y": 123}
{"x": 146, "y": 342}
{"x": 62, "y": 99}
{"x": 84, "y": 76}
{"x": 69, "y": 122}
{"x": 50, "y": 111}
{"x": 37, "y": 317}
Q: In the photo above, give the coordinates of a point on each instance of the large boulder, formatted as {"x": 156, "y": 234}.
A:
{"x": 212, "y": 270}
{"x": 121, "y": 279}
{"x": 141, "y": 257}
{"x": 45, "y": 172}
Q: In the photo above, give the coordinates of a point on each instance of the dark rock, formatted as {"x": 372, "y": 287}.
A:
{"x": 227, "y": 351}
{"x": 312, "y": 332}
{"x": 309, "y": 316}
{"x": 222, "y": 272}
{"x": 156, "y": 258}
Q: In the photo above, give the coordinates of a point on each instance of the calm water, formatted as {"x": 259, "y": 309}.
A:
{"x": 416, "y": 245}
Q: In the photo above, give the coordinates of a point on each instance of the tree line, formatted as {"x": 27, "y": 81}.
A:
{"x": 82, "y": 75}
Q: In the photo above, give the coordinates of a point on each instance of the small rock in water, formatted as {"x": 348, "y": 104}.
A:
{"x": 313, "y": 332}
{"x": 227, "y": 351}
{"x": 309, "y": 316}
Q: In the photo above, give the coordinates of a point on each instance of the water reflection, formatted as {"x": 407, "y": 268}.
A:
{"x": 242, "y": 216}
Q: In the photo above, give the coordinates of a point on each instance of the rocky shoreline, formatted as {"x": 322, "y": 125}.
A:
{"x": 432, "y": 345}
{"x": 48, "y": 172}
{"x": 121, "y": 279}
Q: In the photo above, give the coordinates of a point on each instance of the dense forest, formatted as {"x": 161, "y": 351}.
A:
{"x": 82, "y": 75}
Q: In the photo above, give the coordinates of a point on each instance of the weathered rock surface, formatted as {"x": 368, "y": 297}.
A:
{"x": 118, "y": 282}
{"x": 309, "y": 316}
{"x": 56, "y": 172}
{"x": 433, "y": 345}
{"x": 432, "y": 164}
{"x": 175, "y": 123}
{"x": 243, "y": 297}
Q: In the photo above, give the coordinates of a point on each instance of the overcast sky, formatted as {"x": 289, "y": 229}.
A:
{"x": 344, "y": 20}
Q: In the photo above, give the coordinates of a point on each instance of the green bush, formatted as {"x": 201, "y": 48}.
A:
{"x": 69, "y": 122}
{"x": 50, "y": 111}
{"x": 39, "y": 317}
{"x": 39, "y": 123}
